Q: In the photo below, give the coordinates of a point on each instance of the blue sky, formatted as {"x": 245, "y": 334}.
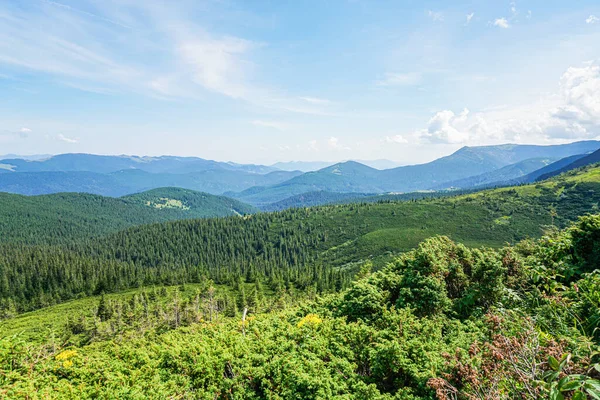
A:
{"x": 266, "y": 81}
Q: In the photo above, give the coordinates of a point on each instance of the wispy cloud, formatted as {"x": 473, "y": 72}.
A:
{"x": 216, "y": 64}
{"x": 400, "y": 79}
{"x": 334, "y": 143}
{"x": 22, "y": 133}
{"x": 66, "y": 139}
{"x": 316, "y": 100}
{"x": 69, "y": 44}
{"x": 82, "y": 12}
{"x": 396, "y": 139}
{"x": 470, "y": 17}
{"x": 435, "y": 16}
{"x": 501, "y": 23}
{"x": 270, "y": 124}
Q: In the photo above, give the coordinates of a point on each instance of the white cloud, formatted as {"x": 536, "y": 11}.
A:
{"x": 573, "y": 113}
{"x": 65, "y": 139}
{"x": 396, "y": 139}
{"x": 312, "y": 145}
{"x": 580, "y": 89}
{"x": 436, "y": 16}
{"x": 316, "y": 100}
{"x": 513, "y": 8}
{"x": 502, "y": 23}
{"x": 334, "y": 143}
{"x": 270, "y": 124}
{"x": 25, "y": 130}
{"x": 529, "y": 14}
{"x": 154, "y": 48}
{"x": 216, "y": 63}
{"x": 446, "y": 127}
{"x": 592, "y": 19}
{"x": 400, "y": 79}
{"x": 470, "y": 17}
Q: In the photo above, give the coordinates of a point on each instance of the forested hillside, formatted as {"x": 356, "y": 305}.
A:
{"x": 442, "y": 321}
{"x": 318, "y": 247}
{"x": 64, "y": 217}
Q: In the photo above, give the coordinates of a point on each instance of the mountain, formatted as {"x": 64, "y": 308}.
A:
{"x": 472, "y": 161}
{"x": 57, "y": 217}
{"x": 189, "y": 203}
{"x": 214, "y": 181}
{"x": 36, "y": 183}
{"x": 304, "y": 166}
{"x": 296, "y": 247}
{"x": 314, "y": 199}
{"x": 379, "y": 164}
{"x": 261, "y": 185}
{"x": 31, "y": 157}
{"x": 107, "y": 164}
{"x": 349, "y": 176}
{"x": 578, "y": 163}
{"x": 465, "y": 163}
{"x": 308, "y": 166}
{"x": 360, "y": 301}
{"x": 535, "y": 175}
{"x": 509, "y": 173}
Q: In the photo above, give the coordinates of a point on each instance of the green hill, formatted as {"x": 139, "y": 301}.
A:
{"x": 59, "y": 218}
{"x": 516, "y": 322}
{"x": 299, "y": 248}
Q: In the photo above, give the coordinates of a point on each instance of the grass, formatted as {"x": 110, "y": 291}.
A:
{"x": 43, "y": 324}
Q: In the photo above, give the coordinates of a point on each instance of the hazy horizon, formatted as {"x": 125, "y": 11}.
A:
{"x": 291, "y": 161}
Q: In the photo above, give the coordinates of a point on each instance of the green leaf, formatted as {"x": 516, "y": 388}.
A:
{"x": 564, "y": 361}
{"x": 553, "y": 362}
{"x": 592, "y": 387}
{"x": 578, "y": 395}
{"x": 555, "y": 394}
{"x": 568, "y": 386}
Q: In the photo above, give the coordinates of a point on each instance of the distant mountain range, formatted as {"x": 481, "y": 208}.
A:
{"x": 106, "y": 164}
{"x": 121, "y": 175}
{"x": 274, "y": 187}
{"x": 468, "y": 162}
{"x": 28, "y": 157}
{"x": 308, "y": 166}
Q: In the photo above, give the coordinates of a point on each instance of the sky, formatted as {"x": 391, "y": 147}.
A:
{"x": 280, "y": 80}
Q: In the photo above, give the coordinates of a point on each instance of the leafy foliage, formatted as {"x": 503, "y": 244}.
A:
{"x": 493, "y": 328}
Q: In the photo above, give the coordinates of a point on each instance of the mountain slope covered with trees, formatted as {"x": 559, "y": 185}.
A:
{"x": 320, "y": 247}
{"x": 442, "y": 321}
{"x": 65, "y": 217}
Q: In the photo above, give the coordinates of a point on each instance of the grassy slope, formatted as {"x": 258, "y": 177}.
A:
{"x": 487, "y": 218}
{"x": 41, "y": 324}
